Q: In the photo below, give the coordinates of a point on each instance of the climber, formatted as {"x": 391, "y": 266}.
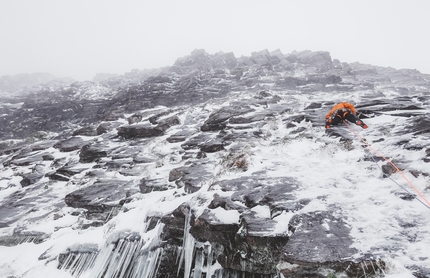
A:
{"x": 341, "y": 112}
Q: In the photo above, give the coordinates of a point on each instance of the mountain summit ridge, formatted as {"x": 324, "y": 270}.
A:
{"x": 195, "y": 78}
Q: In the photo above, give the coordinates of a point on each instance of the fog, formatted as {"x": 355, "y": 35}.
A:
{"x": 81, "y": 38}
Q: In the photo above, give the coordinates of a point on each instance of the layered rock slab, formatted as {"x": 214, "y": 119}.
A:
{"x": 321, "y": 242}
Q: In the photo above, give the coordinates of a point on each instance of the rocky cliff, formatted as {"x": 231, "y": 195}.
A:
{"x": 218, "y": 166}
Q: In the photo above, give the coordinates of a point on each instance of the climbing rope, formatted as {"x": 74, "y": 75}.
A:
{"x": 427, "y": 203}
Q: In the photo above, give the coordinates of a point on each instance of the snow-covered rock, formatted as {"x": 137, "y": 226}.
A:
{"x": 219, "y": 167}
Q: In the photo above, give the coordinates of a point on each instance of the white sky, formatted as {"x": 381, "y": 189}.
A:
{"x": 79, "y": 38}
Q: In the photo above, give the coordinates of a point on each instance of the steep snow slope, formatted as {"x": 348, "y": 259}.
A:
{"x": 246, "y": 184}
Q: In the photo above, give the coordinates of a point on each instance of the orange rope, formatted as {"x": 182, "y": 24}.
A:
{"x": 395, "y": 167}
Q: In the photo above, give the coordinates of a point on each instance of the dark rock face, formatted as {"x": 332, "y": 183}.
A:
{"x": 328, "y": 234}
{"x": 173, "y": 229}
{"x": 320, "y": 229}
{"x": 250, "y": 236}
{"x": 236, "y": 247}
{"x": 100, "y": 196}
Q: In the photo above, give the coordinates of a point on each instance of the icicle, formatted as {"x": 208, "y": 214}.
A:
{"x": 110, "y": 213}
{"x": 112, "y": 264}
{"x": 198, "y": 263}
{"x": 122, "y": 254}
{"x": 378, "y": 263}
{"x": 147, "y": 265}
{"x": 187, "y": 251}
{"x": 364, "y": 271}
{"x": 74, "y": 262}
{"x": 243, "y": 264}
{"x": 100, "y": 262}
{"x": 85, "y": 263}
{"x": 127, "y": 259}
{"x": 209, "y": 260}
{"x": 374, "y": 270}
{"x": 78, "y": 264}
{"x": 66, "y": 262}
{"x": 122, "y": 258}
{"x": 127, "y": 255}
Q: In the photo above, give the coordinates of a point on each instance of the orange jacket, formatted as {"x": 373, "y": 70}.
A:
{"x": 341, "y": 106}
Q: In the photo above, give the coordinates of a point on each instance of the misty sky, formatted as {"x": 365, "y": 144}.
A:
{"x": 78, "y": 38}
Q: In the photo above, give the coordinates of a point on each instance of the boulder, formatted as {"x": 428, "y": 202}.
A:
{"x": 192, "y": 177}
{"x": 71, "y": 144}
{"x": 135, "y": 118}
{"x": 64, "y": 173}
{"x": 31, "y": 179}
{"x": 101, "y": 196}
{"x": 253, "y": 190}
{"x": 37, "y": 174}
{"x": 139, "y": 131}
{"x": 85, "y": 131}
{"x": 150, "y": 185}
{"x": 216, "y": 120}
{"x": 105, "y": 127}
{"x": 177, "y": 137}
{"x": 25, "y": 159}
{"x": 165, "y": 124}
{"x": 177, "y": 173}
{"x": 194, "y": 143}
{"x": 92, "y": 152}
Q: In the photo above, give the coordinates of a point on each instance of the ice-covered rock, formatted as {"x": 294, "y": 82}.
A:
{"x": 218, "y": 167}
